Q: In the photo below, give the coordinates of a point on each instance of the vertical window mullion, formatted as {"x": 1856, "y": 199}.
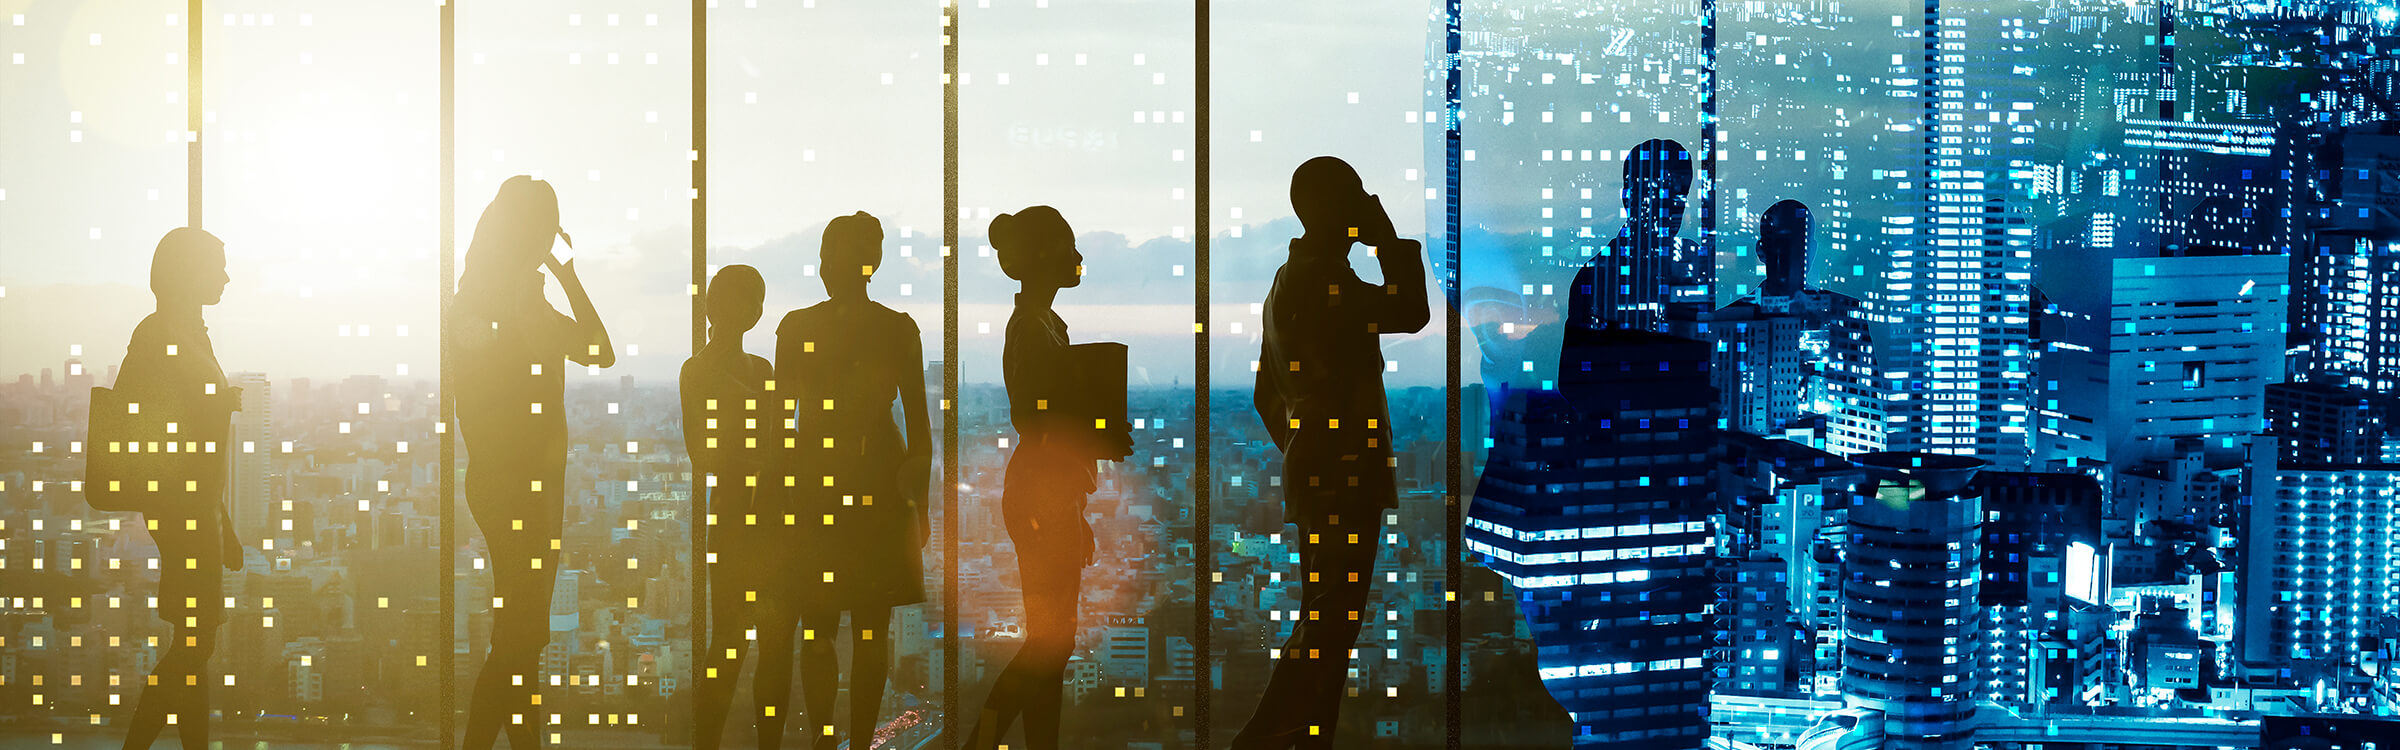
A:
{"x": 1204, "y": 563}
{"x": 1453, "y": 567}
{"x": 950, "y": 385}
{"x": 447, "y": 512}
{"x": 699, "y": 568}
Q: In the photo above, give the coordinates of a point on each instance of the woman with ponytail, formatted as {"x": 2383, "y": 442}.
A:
{"x": 507, "y": 345}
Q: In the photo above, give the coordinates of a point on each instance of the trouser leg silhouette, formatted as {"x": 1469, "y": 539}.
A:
{"x": 870, "y": 664}
{"x": 521, "y": 530}
{"x": 177, "y": 689}
{"x": 1029, "y": 687}
{"x": 722, "y": 670}
{"x": 1303, "y": 698}
{"x": 178, "y": 686}
{"x": 737, "y": 605}
{"x": 820, "y": 673}
{"x": 771, "y": 686}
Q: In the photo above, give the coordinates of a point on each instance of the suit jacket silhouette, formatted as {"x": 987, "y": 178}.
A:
{"x": 1320, "y": 374}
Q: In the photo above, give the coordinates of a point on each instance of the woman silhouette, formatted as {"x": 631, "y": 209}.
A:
{"x": 1050, "y": 475}
{"x": 732, "y": 432}
{"x": 512, "y": 414}
{"x": 171, "y": 371}
{"x": 844, "y": 361}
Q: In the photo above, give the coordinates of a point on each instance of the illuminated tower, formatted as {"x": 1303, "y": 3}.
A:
{"x": 1910, "y": 577}
{"x": 1594, "y": 504}
{"x": 252, "y": 500}
{"x": 1958, "y": 286}
{"x": 2320, "y": 566}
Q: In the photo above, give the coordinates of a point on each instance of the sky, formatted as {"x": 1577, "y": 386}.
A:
{"x": 321, "y": 162}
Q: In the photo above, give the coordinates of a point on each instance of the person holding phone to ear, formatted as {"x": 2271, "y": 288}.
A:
{"x": 511, "y": 348}
{"x": 1320, "y": 392}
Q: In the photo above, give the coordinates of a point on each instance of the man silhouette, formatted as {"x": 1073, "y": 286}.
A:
{"x": 1783, "y": 233}
{"x": 1320, "y": 392}
{"x": 1645, "y": 268}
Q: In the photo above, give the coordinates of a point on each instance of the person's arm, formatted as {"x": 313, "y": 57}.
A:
{"x": 780, "y": 404}
{"x": 1267, "y": 396}
{"x": 1401, "y": 307}
{"x": 1036, "y": 377}
{"x": 588, "y": 344}
{"x": 1584, "y": 289}
{"x": 690, "y": 388}
{"x": 916, "y": 469}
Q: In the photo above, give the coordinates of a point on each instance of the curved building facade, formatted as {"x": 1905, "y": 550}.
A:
{"x": 1911, "y": 572}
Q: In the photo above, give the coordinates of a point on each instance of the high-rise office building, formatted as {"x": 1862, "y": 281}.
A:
{"x": 1958, "y": 286}
{"x": 1125, "y": 651}
{"x": 1595, "y": 503}
{"x": 1778, "y": 542}
{"x": 1774, "y": 494}
{"x": 2193, "y": 343}
{"x": 1912, "y": 570}
{"x": 2346, "y": 304}
{"x": 253, "y": 502}
{"x": 2181, "y": 347}
{"x": 2320, "y": 423}
{"x": 1861, "y": 336}
{"x": 2320, "y": 564}
{"x": 1760, "y": 368}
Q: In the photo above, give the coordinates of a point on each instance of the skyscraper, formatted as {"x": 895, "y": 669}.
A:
{"x": 1957, "y": 291}
{"x": 2193, "y": 343}
{"x": 1912, "y": 570}
{"x": 1594, "y": 503}
{"x": 2319, "y": 561}
{"x": 1759, "y": 368}
{"x": 1859, "y": 379}
{"x": 252, "y": 501}
{"x": 2319, "y": 423}
{"x": 2346, "y": 304}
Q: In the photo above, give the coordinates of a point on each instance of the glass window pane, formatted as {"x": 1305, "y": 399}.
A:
{"x": 1562, "y": 105}
{"x": 1084, "y": 108}
{"x": 92, "y": 175}
{"x": 321, "y": 175}
{"x": 819, "y": 111}
{"x": 594, "y": 100}
{"x": 1272, "y": 112}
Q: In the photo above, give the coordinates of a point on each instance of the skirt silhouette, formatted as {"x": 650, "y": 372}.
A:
{"x": 858, "y": 540}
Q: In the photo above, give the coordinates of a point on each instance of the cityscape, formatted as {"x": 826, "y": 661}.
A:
{"x": 2002, "y": 373}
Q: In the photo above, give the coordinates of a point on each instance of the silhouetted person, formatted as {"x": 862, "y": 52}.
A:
{"x": 2218, "y": 226}
{"x": 1050, "y": 475}
{"x": 1783, "y": 234}
{"x": 171, "y": 373}
{"x": 1320, "y": 392}
{"x": 511, "y": 348}
{"x": 733, "y": 433}
{"x": 864, "y": 481}
{"x": 1631, "y": 282}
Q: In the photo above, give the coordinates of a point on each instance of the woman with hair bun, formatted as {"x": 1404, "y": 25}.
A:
{"x": 1050, "y": 475}
{"x": 859, "y": 477}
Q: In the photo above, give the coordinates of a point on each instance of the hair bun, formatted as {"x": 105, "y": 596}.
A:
{"x": 1004, "y": 237}
{"x": 1004, "y": 230}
